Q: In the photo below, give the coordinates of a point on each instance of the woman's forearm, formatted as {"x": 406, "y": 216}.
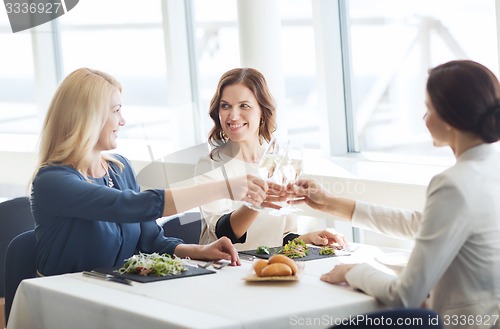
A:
{"x": 241, "y": 220}
{"x": 188, "y": 250}
{"x": 319, "y": 198}
{"x": 340, "y": 207}
{"x": 182, "y": 199}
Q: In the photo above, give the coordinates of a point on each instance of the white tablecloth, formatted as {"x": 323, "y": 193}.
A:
{"x": 220, "y": 300}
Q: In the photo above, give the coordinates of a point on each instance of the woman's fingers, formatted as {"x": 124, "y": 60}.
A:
{"x": 271, "y": 205}
{"x": 248, "y": 188}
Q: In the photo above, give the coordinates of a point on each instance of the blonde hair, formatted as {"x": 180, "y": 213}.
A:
{"x": 77, "y": 113}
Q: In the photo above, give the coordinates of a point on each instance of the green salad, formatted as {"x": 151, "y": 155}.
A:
{"x": 152, "y": 264}
{"x": 262, "y": 250}
{"x": 327, "y": 251}
{"x": 295, "y": 249}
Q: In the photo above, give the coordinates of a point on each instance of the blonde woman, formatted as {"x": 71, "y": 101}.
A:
{"x": 87, "y": 205}
{"x": 244, "y": 116}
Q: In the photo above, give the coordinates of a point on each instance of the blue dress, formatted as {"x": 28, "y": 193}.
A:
{"x": 82, "y": 225}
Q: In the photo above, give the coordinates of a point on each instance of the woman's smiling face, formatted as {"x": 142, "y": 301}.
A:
{"x": 109, "y": 133}
{"x": 239, "y": 113}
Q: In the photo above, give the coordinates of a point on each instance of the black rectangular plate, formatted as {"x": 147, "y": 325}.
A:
{"x": 191, "y": 271}
{"x": 313, "y": 253}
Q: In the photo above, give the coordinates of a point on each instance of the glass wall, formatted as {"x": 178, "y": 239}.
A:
{"x": 393, "y": 43}
{"x": 18, "y": 111}
{"x": 217, "y": 51}
{"x": 127, "y": 41}
{"x": 299, "y": 68}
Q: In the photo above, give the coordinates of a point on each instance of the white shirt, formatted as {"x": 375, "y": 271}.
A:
{"x": 266, "y": 230}
{"x": 456, "y": 257}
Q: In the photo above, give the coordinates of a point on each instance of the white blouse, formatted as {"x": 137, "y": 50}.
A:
{"x": 456, "y": 257}
{"x": 266, "y": 230}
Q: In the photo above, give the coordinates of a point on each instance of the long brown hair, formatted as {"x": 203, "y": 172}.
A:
{"x": 255, "y": 81}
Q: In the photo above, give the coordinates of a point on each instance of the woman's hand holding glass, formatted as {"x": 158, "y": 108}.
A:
{"x": 269, "y": 171}
{"x": 250, "y": 189}
{"x": 281, "y": 164}
{"x": 310, "y": 192}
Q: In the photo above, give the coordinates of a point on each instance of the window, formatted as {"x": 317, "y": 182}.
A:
{"x": 299, "y": 66}
{"x": 125, "y": 40}
{"x": 393, "y": 43}
{"x": 217, "y": 51}
{"x": 18, "y": 110}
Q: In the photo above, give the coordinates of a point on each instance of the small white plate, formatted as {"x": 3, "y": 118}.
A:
{"x": 394, "y": 260}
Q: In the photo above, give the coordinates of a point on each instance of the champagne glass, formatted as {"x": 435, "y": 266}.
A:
{"x": 291, "y": 168}
{"x": 269, "y": 167}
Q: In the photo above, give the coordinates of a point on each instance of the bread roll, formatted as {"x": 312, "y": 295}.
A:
{"x": 285, "y": 260}
{"x": 258, "y": 265}
{"x": 276, "y": 269}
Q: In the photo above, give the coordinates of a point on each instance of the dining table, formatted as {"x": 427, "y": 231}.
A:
{"x": 224, "y": 298}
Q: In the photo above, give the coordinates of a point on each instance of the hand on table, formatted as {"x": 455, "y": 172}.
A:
{"x": 217, "y": 250}
{"x": 337, "y": 274}
{"x": 326, "y": 237}
{"x": 221, "y": 249}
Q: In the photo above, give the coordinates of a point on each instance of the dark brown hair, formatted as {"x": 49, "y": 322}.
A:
{"x": 466, "y": 95}
{"x": 255, "y": 81}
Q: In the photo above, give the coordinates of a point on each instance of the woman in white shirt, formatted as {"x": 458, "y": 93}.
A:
{"x": 244, "y": 116}
{"x": 454, "y": 266}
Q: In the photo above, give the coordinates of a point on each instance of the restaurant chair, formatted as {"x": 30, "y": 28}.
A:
{"x": 19, "y": 265}
{"x": 409, "y": 318}
{"x": 15, "y": 218}
{"x": 186, "y": 227}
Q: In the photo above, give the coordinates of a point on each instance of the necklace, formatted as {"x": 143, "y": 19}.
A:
{"x": 110, "y": 181}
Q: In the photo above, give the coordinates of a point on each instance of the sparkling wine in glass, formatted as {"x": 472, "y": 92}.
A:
{"x": 269, "y": 167}
{"x": 291, "y": 169}
{"x": 292, "y": 162}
